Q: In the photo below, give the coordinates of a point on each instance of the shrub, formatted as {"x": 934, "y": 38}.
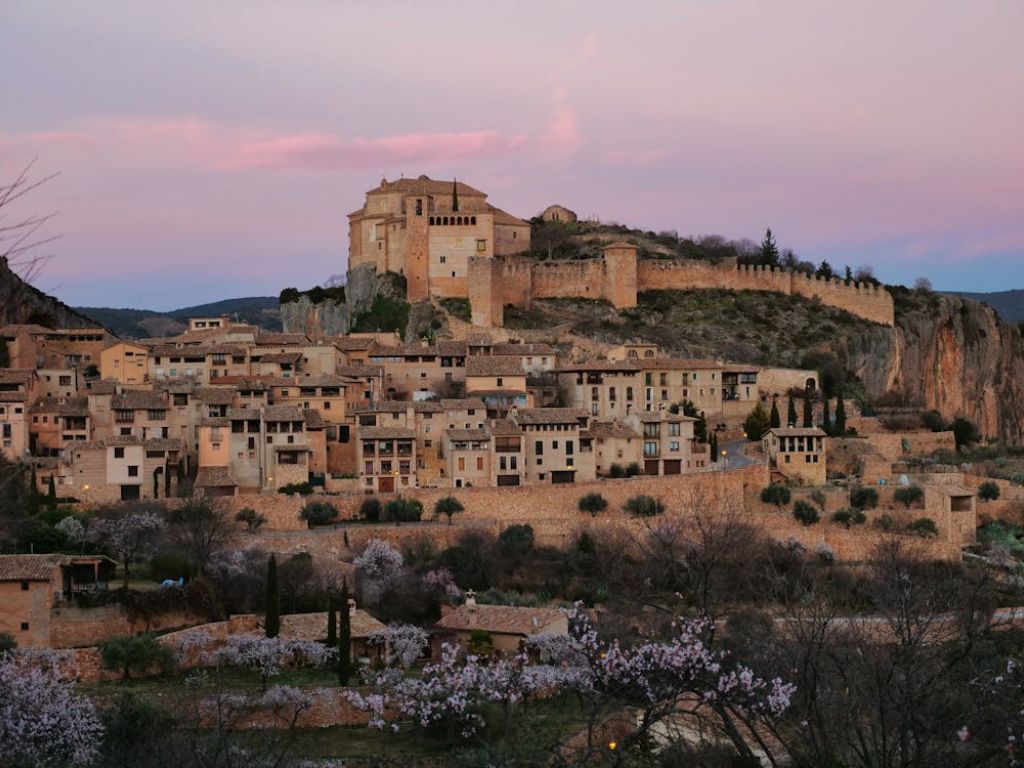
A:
{"x": 884, "y": 523}
{"x": 303, "y": 489}
{"x": 251, "y": 518}
{"x": 137, "y": 653}
{"x": 449, "y": 506}
{"x": 318, "y": 513}
{"x": 170, "y": 567}
{"x": 480, "y": 643}
{"x": 849, "y": 517}
{"x": 805, "y": 513}
{"x": 516, "y": 540}
{"x": 403, "y": 510}
{"x": 933, "y": 420}
{"x": 908, "y": 495}
{"x": 776, "y": 494}
{"x": 7, "y": 642}
{"x": 819, "y": 498}
{"x": 632, "y": 469}
{"x": 924, "y": 527}
{"x": 371, "y": 509}
{"x": 864, "y": 497}
{"x": 964, "y": 433}
{"x": 644, "y": 506}
{"x": 988, "y": 491}
{"x": 593, "y": 504}
{"x": 616, "y": 470}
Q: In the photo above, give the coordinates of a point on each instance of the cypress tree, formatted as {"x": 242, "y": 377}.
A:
{"x": 840, "y": 429}
{"x": 791, "y": 411}
{"x": 776, "y": 419}
{"x": 714, "y": 446}
{"x": 272, "y": 620}
{"x": 808, "y": 412}
{"x": 332, "y": 625}
{"x": 769, "y": 250}
{"x": 51, "y": 493}
{"x": 344, "y": 639}
{"x": 33, "y": 493}
{"x": 826, "y": 418}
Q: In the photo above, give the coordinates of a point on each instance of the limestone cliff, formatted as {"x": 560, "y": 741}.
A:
{"x": 21, "y": 303}
{"x": 331, "y": 317}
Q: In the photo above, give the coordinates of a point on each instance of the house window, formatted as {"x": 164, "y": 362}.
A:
{"x": 481, "y": 245}
{"x": 119, "y": 453}
{"x": 24, "y": 626}
{"x": 24, "y": 586}
{"x": 444, "y": 259}
{"x": 133, "y": 470}
{"x": 462, "y": 463}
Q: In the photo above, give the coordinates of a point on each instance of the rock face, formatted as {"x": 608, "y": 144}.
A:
{"x": 21, "y": 303}
{"x": 336, "y": 318}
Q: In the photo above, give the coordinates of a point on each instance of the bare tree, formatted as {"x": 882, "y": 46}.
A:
{"x": 20, "y": 237}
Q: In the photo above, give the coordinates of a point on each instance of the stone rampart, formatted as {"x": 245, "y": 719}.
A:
{"x": 72, "y": 627}
{"x": 496, "y": 282}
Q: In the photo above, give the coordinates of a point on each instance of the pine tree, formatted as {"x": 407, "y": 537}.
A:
{"x": 332, "y": 624}
{"x": 769, "y": 250}
{"x": 808, "y": 412}
{"x": 826, "y": 418}
{"x": 840, "y": 428}
{"x": 791, "y": 411}
{"x": 51, "y": 493}
{"x": 272, "y": 620}
{"x": 776, "y": 419}
{"x": 344, "y": 639}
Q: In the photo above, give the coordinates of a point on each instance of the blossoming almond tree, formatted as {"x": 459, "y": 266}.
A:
{"x": 267, "y": 656}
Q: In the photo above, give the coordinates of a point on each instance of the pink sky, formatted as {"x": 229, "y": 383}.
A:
{"x": 212, "y": 150}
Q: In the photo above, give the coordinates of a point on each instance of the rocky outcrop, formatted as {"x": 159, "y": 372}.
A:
{"x": 21, "y": 303}
{"x": 336, "y": 318}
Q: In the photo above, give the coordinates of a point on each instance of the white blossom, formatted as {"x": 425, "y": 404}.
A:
{"x": 404, "y": 643}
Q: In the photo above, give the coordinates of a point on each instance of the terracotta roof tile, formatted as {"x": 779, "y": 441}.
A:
{"x": 549, "y": 415}
{"x": 385, "y": 433}
{"x": 501, "y": 619}
{"x": 494, "y": 365}
{"x": 214, "y": 477}
{"x": 139, "y": 400}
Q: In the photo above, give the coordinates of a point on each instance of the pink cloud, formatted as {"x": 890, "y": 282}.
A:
{"x": 330, "y": 151}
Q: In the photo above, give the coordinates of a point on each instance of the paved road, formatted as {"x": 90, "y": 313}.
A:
{"x": 734, "y": 454}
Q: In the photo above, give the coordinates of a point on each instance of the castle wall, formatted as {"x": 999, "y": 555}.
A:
{"x": 417, "y": 259}
{"x": 618, "y": 277}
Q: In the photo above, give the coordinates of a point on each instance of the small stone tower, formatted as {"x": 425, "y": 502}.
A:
{"x": 620, "y": 274}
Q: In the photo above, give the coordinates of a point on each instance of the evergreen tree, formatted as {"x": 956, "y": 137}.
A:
{"x": 791, "y": 411}
{"x": 848, "y": 274}
{"x": 714, "y": 446}
{"x": 826, "y": 418}
{"x": 51, "y": 493}
{"x": 272, "y": 620}
{"x": 332, "y": 624}
{"x": 825, "y": 271}
{"x": 34, "y": 503}
{"x": 808, "y": 412}
{"x": 757, "y": 422}
{"x": 344, "y": 639}
{"x": 769, "y": 250}
{"x": 840, "y": 428}
{"x": 776, "y": 419}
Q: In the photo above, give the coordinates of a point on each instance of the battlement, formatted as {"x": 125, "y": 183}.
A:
{"x": 619, "y": 276}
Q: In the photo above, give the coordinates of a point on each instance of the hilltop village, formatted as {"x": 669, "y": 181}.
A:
{"x": 476, "y": 495}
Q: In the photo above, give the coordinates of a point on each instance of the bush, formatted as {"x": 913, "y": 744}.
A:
{"x": 7, "y": 642}
{"x": 988, "y": 491}
{"x": 318, "y": 513}
{"x": 819, "y": 498}
{"x": 516, "y": 540}
{"x": 849, "y": 517}
{"x": 644, "y": 506}
{"x": 632, "y": 469}
{"x": 805, "y": 513}
{"x": 480, "y": 643}
{"x": 137, "y": 653}
{"x": 863, "y": 497}
{"x": 924, "y": 527}
{"x": 908, "y": 495}
{"x": 251, "y": 518}
{"x": 884, "y": 523}
{"x": 371, "y": 510}
{"x": 403, "y": 511}
{"x": 616, "y": 470}
{"x": 448, "y": 506}
{"x": 933, "y": 420}
{"x": 593, "y": 504}
{"x": 964, "y": 433}
{"x": 303, "y": 489}
{"x": 776, "y": 494}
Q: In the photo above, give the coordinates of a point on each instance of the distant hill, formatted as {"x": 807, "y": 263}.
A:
{"x": 1009, "y": 304}
{"x": 261, "y": 311}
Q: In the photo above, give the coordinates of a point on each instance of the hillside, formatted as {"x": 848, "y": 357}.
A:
{"x": 261, "y": 311}
{"x": 23, "y": 303}
{"x": 1009, "y": 304}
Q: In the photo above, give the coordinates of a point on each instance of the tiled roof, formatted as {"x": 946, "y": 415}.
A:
{"x": 214, "y": 477}
{"x": 467, "y": 434}
{"x": 281, "y": 339}
{"x": 283, "y": 413}
{"x": 522, "y": 348}
{"x": 105, "y": 387}
{"x": 74, "y": 406}
{"x": 215, "y": 421}
{"x": 507, "y": 219}
{"x": 479, "y": 340}
{"x": 400, "y": 406}
{"x": 359, "y": 371}
{"x": 10, "y": 331}
{"x": 242, "y": 413}
{"x": 313, "y": 626}
{"x": 611, "y": 429}
{"x": 29, "y": 567}
{"x": 13, "y": 397}
{"x": 163, "y": 444}
{"x": 550, "y": 415}
{"x": 16, "y": 375}
{"x": 349, "y": 344}
{"x": 424, "y": 185}
{"x": 139, "y": 399}
{"x": 215, "y": 395}
{"x": 318, "y": 380}
{"x": 452, "y": 348}
{"x": 277, "y": 357}
{"x": 664, "y": 417}
{"x": 796, "y": 432}
{"x": 504, "y": 427}
{"x": 677, "y": 364}
{"x": 385, "y": 433}
{"x": 494, "y": 365}
{"x": 462, "y": 403}
{"x": 500, "y": 619}
{"x": 314, "y": 420}
{"x": 618, "y": 366}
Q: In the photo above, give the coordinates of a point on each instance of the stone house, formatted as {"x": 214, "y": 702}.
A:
{"x": 798, "y": 453}
{"x": 506, "y": 626}
{"x": 125, "y": 363}
{"x": 557, "y": 446}
{"x": 558, "y": 213}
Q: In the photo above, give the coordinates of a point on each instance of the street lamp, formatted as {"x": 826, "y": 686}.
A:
{"x": 613, "y": 745}
{"x": 725, "y": 457}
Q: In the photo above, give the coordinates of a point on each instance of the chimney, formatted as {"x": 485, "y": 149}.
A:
{"x": 351, "y": 607}
{"x": 470, "y": 599}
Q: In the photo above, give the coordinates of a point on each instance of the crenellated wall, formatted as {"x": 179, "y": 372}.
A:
{"x": 619, "y": 276}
